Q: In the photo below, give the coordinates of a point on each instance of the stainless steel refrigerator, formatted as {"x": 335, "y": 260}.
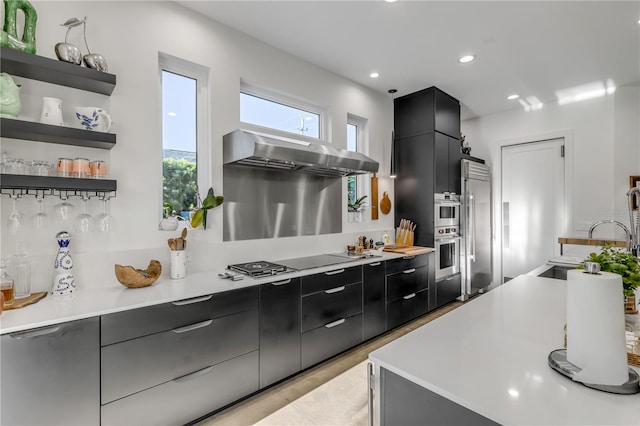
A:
{"x": 476, "y": 253}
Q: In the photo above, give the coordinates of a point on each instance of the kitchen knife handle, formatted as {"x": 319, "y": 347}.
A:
{"x": 335, "y": 290}
{"x": 194, "y": 300}
{"x": 337, "y": 271}
{"x": 192, "y": 327}
{"x": 335, "y": 323}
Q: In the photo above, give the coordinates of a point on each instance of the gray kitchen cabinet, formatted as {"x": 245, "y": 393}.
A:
{"x": 427, "y": 110}
{"x": 374, "y": 309}
{"x": 160, "y": 368}
{"x": 51, "y": 375}
{"x": 331, "y": 314}
{"x": 279, "y": 330}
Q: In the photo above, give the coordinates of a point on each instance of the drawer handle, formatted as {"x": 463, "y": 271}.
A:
{"x": 409, "y": 257}
{"x": 194, "y": 300}
{"x": 193, "y": 375}
{"x": 409, "y": 296}
{"x": 335, "y": 290}
{"x": 283, "y": 282}
{"x": 374, "y": 264}
{"x": 450, "y": 278}
{"x": 409, "y": 271}
{"x": 36, "y": 333}
{"x": 337, "y": 271}
{"x": 192, "y": 326}
{"x": 335, "y": 323}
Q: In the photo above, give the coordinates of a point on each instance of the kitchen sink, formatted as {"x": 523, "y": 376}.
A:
{"x": 556, "y": 271}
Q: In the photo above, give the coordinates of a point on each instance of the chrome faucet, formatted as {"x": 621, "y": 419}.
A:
{"x": 628, "y": 235}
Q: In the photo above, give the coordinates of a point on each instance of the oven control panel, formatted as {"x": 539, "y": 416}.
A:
{"x": 444, "y": 231}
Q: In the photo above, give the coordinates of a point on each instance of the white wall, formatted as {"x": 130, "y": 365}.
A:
{"x": 603, "y": 150}
{"x": 130, "y": 35}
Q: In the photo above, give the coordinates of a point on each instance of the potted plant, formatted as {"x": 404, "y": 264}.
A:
{"x": 355, "y": 209}
{"x": 623, "y": 263}
{"x": 211, "y": 201}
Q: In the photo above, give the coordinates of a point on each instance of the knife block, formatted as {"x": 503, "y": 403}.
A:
{"x": 404, "y": 237}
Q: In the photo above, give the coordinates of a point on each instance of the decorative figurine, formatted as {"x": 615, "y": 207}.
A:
{"x": 64, "y": 282}
{"x": 9, "y": 34}
{"x": 92, "y": 60}
{"x": 9, "y": 97}
{"x": 68, "y": 52}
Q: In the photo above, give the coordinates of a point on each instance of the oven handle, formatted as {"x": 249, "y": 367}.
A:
{"x": 448, "y": 239}
{"x": 449, "y": 203}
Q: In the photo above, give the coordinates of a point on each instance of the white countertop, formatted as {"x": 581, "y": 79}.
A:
{"x": 114, "y": 297}
{"x": 490, "y": 356}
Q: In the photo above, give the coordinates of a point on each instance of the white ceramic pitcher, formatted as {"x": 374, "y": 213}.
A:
{"x": 93, "y": 118}
{"x": 51, "y": 111}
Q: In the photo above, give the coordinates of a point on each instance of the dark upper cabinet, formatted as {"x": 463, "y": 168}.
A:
{"x": 426, "y": 111}
{"x": 447, "y": 164}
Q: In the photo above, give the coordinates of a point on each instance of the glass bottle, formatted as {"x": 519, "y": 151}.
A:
{"x": 6, "y": 284}
{"x": 21, "y": 269}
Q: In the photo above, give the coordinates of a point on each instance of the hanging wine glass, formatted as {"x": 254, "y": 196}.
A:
{"x": 15, "y": 221}
{"x": 64, "y": 209}
{"x": 84, "y": 221}
{"x": 40, "y": 219}
{"x": 104, "y": 220}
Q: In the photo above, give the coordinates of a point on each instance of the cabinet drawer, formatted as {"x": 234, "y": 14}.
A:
{"x": 187, "y": 398}
{"x": 407, "y": 282}
{"x": 331, "y": 279}
{"x": 331, "y": 339}
{"x": 408, "y": 262}
{"x": 330, "y": 305}
{"x": 167, "y": 316}
{"x": 407, "y": 308}
{"x": 141, "y": 363}
{"x": 448, "y": 290}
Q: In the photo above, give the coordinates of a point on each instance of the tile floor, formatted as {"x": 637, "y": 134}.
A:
{"x": 331, "y": 393}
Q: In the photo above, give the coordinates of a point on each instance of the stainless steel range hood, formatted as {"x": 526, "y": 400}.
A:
{"x": 245, "y": 148}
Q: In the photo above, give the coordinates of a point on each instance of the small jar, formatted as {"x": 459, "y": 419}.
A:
{"x": 6, "y": 284}
{"x": 64, "y": 167}
{"x": 81, "y": 168}
{"x": 98, "y": 169}
{"x": 14, "y": 166}
{"x": 40, "y": 168}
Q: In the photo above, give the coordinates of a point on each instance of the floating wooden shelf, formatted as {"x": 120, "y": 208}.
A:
{"x": 29, "y": 130}
{"x": 28, "y": 182}
{"x": 18, "y": 63}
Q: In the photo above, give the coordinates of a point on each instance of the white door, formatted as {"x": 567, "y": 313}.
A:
{"x": 532, "y": 205}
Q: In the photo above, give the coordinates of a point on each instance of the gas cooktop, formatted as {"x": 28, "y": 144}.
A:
{"x": 261, "y": 268}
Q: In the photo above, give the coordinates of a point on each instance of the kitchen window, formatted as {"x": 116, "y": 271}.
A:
{"x": 356, "y": 141}
{"x": 263, "y": 110}
{"x": 185, "y": 159}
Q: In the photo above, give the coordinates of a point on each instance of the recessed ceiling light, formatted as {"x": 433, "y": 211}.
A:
{"x": 467, "y": 58}
{"x": 391, "y": 1}
{"x": 512, "y": 97}
{"x": 374, "y": 75}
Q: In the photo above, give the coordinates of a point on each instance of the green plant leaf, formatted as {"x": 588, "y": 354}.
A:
{"x": 197, "y": 218}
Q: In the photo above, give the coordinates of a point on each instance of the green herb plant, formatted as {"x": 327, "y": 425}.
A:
{"x": 210, "y": 201}
{"x": 355, "y": 206}
{"x": 619, "y": 262}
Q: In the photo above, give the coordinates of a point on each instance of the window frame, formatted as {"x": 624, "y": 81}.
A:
{"x": 363, "y": 185}
{"x": 290, "y": 101}
{"x": 200, "y": 74}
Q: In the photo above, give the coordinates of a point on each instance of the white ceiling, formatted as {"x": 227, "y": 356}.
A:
{"x": 530, "y": 48}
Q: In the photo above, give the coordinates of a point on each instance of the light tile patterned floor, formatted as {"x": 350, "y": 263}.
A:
{"x": 333, "y": 393}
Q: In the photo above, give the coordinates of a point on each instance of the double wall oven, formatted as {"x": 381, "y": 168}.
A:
{"x": 447, "y": 234}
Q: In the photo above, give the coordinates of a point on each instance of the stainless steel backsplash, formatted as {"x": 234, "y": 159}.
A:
{"x": 271, "y": 204}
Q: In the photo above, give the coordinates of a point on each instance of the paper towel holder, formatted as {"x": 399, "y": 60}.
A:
{"x": 558, "y": 361}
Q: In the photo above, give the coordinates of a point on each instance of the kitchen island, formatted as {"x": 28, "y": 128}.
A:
{"x": 486, "y": 363}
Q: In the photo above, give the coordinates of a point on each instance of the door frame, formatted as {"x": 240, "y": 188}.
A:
{"x": 496, "y": 155}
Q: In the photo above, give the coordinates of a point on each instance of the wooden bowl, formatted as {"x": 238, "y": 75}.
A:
{"x": 137, "y": 278}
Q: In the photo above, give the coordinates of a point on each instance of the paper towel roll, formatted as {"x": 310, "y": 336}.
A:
{"x": 595, "y": 327}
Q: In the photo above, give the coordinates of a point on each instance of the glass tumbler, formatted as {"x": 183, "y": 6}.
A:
{"x": 21, "y": 269}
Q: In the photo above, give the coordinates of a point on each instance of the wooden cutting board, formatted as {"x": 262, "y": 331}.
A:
{"x": 407, "y": 250}
{"x": 385, "y": 203}
{"x": 26, "y": 301}
{"x": 374, "y": 197}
